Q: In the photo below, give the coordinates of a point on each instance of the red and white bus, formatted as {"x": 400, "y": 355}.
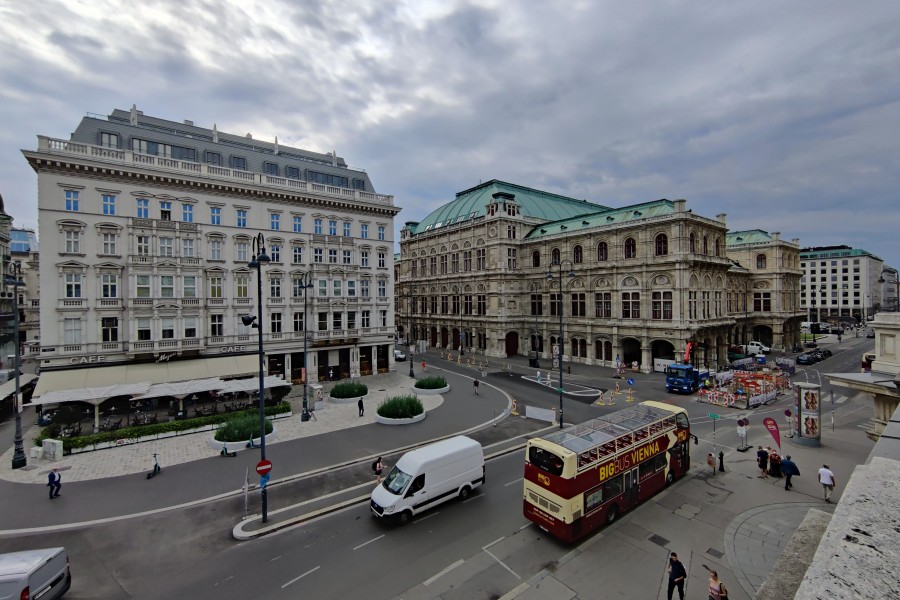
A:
{"x": 584, "y": 476}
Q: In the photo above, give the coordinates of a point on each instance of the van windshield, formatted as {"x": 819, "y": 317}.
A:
{"x": 396, "y": 481}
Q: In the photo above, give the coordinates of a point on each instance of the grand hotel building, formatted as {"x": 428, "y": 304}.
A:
{"x": 147, "y": 227}
{"x": 641, "y": 283}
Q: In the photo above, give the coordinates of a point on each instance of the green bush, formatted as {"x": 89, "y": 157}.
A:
{"x": 431, "y": 383}
{"x": 349, "y": 390}
{"x": 241, "y": 428}
{"x": 130, "y": 433}
{"x": 400, "y": 407}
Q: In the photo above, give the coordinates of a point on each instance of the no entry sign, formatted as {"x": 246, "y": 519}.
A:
{"x": 263, "y": 466}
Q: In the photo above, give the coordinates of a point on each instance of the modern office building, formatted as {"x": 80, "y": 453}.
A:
{"x": 494, "y": 269}
{"x": 841, "y": 283}
{"x": 147, "y": 227}
{"x": 24, "y": 250}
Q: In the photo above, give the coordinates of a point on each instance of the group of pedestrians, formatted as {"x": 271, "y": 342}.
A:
{"x": 678, "y": 577}
{"x": 788, "y": 469}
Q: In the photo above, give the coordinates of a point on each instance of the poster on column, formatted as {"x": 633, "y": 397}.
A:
{"x": 808, "y": 400}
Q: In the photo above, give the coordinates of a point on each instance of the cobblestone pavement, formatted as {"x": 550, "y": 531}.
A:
{"x": 132, "y": 458}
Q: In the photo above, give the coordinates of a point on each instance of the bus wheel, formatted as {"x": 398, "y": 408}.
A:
{"x": 670, "y": 479}
{"x": 612, "y": 514}
{"x": 405, "y": 517}
{"x": 464, "y": 492}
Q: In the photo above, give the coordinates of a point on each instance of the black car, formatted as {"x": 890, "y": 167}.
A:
{"x": 811, "y": 344}
{"x": 870, "y": 333}
{"x": 825, "y": 352}
{"x": 806, "y": 359}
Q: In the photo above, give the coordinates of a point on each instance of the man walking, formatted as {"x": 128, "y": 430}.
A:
{"x": 677, "y": 575}
{"x": 789, "y": 469}
{"x": 54, "y": 480}
{"x": 826, "y": 478}
{"x": 362, "y": 409}
{"x": 475, "y": 384}
{"x": 762, "y": 459}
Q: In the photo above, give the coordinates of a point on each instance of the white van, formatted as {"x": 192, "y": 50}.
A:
{"x": 428, "y": 476}
{"x": 35, "y": 574}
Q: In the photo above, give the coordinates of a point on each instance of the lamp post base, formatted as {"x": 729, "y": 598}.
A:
{"x": 411, "y": 373}
{"x": 304, "y": 416}
{"x": 19, "y": 461}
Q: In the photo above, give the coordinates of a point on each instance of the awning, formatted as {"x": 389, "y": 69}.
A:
{"x": 9, "y": 388}
{"x": 93, "y": 395}
{"x": 183, "y": 389}
{"x": 167, "y": 372}
{"x": 250, "y": 385}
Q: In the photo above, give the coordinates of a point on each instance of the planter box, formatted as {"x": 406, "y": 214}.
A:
{"x": 424, "y": 392}
{"x": 347, "y": 400}
{"x": 238, "y": 446}
{"x": 386, "y": 421}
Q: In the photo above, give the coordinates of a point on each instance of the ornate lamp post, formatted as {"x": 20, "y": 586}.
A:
{"x": 305, "y": 284}
{"x": 18, "y": 460}
{"x": 257, "y": 261}
{"x": 559, "y": 343}
{"x": 409, "y": 305}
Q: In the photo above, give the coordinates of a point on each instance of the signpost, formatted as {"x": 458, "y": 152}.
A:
{"x": 263, "y": 467}
{"x": 714, "y": 418}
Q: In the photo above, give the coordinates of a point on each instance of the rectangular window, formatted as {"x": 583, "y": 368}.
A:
{"x": 364, "y": 231}
{"x": 275, "y": 287}
{"x": 143, "y": 245}
{"x": 481, "y": 304}
{"x": 110, "y": 245}
{"x": 467, "y": 304}
{"x": 351, "y": 288}
{"x": 241, "y": 218}
{"x": 317, "y": 226}
{"x": 365, "y": 319}
{"x": 297, "y": 252}
{"x": 73, "y": 285}
{"x": 166, "y": 286}
{"x": 631, "y": 305}
{"x": 270, "y": 169}
{"x": 445, "y": 305}
{"x": 351, "y": 320}
{"x": 109, "y": 329}
{"x": 382, "y": 317}
{"x": 292, "y": 172}
{"x": 216, "y": 325}
{"x": 144, "y": 333}
{"x": 189, "y": 286}
{"x": 298, "y": 224}
{"x": 214, "y": 158}
{"x": 578, "y": 304}
{"x": 337, "y": 288}
{"x": 109, "y": 140}
{"x": 72, "y": 200}
{"x": 413, "y": 270}
{"x": 443, "y": 262}
{"x": 346, "y": 229}
{"x": 480, "y": 259}
{"x": 242, "y": 286}
{"x": 381, "y": 232}
{"x": 275, "y": 251}
{"x": 274, "y": 221}
{"x": 215, "y": 250}
{"x": 337, "y": 321}
{"x": 190, "y": 327}
{"x": 332, "y": 256}
{"x": 467, "y": 262}
{"x": 187, "y": 213}
{"x": 275, "y": 322}
{"x": 346, "y": 257}
{"x": 326, "y": 178}
{"x": 323, "y": 288}
{"x": 239, "y": 162}
{"x": 454, "y": 262}
{"x": 298, "y": 321}
{"x": 323, "y": 321}
{"x": 165, "y": 211}
{"x": 364, "y": 258}
{"x": 109, "y": 204}
{"x": 382, "y": 262}
{"x": 762, "y": 301}
{"x": 215, "y": 287}
{"x": 662, "y": 306}
{"x": 166, "y": 246}
{"x": 603, "y": 304}
{"x": 359, "y": 184}
{"x": 382, "y": 288}
{"x": 142, "y": 286}
{"x": 72, "y": 331}
{"x": 364, "y": 288}
{"x": 109, "y": 285}
{"x": 510, "y": 258}
{"x": 555, "y": 305}
{"x": 167, "y": 328}
{"x": 318, "y": 255}
{"x": 187, "y": 248}
{"x": 242, "y": 252}
{"x": 332, "y": 227}
{"x": 297, "y": 287}
{"x": 215, "y": 215}
{"x": 143, "y": 208}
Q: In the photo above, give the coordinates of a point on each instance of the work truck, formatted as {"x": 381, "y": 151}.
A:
{"x": 684, "y": 379}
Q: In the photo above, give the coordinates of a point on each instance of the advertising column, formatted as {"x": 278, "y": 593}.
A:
{"x": 808, "y": 409}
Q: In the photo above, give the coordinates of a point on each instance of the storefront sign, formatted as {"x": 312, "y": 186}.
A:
{"x": 230, "y": 349}
{"x": 87, "y": 360}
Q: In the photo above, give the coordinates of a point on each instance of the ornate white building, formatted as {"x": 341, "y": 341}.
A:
{"x": 147, "y": 227}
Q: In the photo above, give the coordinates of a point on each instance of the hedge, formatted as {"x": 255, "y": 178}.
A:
{"x": 400, "y": 407}
{"x": 241, "y": 428}
{"x": 349, "y": 390}
{"x": 137, "y": 431}
{"x": 431, "y": 383}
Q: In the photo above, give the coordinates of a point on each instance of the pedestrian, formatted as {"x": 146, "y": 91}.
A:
{"x": 827, "y": 479}
{"x": 677, "y": 575}
{"x": 711, "y": 461}
{"x": 423, "y": 365}
{"x": 762, "y": 460}
{"x": 789, "y": 469}
{"x": 538, "y": 376}
{"x": 717, "y": 589}
{"x": 330, "y": 374}
{"x": 362, "y": 409}
{"x": 475, "y": 384}
{"x": 54, "y": 480}
{"x": 378, "y": 467}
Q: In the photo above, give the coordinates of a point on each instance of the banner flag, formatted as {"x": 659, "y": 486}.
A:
{"x": 772, "y": 426}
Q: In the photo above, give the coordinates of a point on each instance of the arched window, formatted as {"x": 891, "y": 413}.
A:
{"x": 602, "y": 251}
{"x": 693, "y": 243}
{"x": 662, "y": 244}
{"x": 718, "y": 248}
{"x": 760, "y": 261}
{"x": 535, "y": 259}
{"x": 554, "y": 256}
{"x": 577, "y": 255}
{"x": 705, "y": 244}
{"x": 630, "y": 248}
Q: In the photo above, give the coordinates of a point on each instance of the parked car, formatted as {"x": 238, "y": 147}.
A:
{"x": 35, "y": 574}
{"x": 811, "y": 345}
{"x": 797, "y": 348}
{"x": 825, "y": 352}
{"x": 399, "y": 356}
{"x": 806, "y": 359}
{"x": 870, "y": 333}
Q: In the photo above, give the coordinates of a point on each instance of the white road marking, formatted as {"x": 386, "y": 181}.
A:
{"x": 502, "y": 564}
{"x": 841, "y": 400}
{"x": 525, "y": 526}
{"x": 475, "y": 497}
{"x": 513, "y": 482}
{"x": 274, "y": 559}
{"x": 428, "y": 516}
{"x": 370, "y": 541}
{"x": 434, "y": 578}
{"x": 296, "y": 579}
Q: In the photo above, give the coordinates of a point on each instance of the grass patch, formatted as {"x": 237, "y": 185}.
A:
{"x": 431, "y": 383}
{"x": 349, "y": 390}
{"x": 400, "y": 407}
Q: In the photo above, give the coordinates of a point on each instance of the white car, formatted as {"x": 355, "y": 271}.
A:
{"x": 399, "y": 356}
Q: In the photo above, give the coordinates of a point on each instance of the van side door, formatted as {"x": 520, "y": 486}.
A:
{"x": 417, "y": 495}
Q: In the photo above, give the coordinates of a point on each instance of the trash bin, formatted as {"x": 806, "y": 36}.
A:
{"x": 760, "y": 359}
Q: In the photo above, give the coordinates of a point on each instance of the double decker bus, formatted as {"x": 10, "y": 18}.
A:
{"x": 584, "y": 476}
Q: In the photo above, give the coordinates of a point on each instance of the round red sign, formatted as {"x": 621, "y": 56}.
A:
{"x": 263, "y": 466}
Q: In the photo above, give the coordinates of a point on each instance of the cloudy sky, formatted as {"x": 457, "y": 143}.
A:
{"x": 784, "y": 115}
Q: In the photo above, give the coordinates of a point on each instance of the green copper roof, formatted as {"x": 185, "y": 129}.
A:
{"x": 833, "y": 252}
{"x": 751, "y": 236}
{"x": 607, "y": 216}
{"x": 471, "y": 203}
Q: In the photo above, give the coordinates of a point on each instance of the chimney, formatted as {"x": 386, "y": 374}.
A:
{"x": 188, "y": 122}
{"x": 721, "y": 217}
{"x": 776, "y": 235}
{"x": 249, "y": 136}
{"x": 796, "y": 241}
{"x": 679, "y": 205}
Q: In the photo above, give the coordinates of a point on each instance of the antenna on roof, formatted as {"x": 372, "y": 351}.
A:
{"x": 132, "y": 118}
{"x": 276, "y": 144}
{"x": 215, "y": 134}
{"x": 333, "y": 157}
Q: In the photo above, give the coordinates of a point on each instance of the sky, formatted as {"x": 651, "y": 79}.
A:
{"x": 783, "y": 115}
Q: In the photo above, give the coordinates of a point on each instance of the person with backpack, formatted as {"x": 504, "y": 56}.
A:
{"x": 717, "y": 589}
{"x": 475, "y": 384}
{"x": 378, "y": 467}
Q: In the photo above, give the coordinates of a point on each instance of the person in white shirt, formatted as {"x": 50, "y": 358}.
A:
{"x": 826, "y": 478}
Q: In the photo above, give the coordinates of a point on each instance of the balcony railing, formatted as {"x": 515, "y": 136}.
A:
{"x": 200, "y": 170}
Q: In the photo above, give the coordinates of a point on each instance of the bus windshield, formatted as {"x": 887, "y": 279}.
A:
{"x": 545, "y": 461}
{"x": 396, "y": 481}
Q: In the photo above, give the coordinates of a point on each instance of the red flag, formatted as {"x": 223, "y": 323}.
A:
{"x": 772, "y": 426}
{"x": 687, "y": 352}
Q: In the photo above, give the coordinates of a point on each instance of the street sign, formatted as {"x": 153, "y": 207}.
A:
{"x": 263, "y": 466}
{"x": 630, "y": 381}
{"x": 713, "y": 416}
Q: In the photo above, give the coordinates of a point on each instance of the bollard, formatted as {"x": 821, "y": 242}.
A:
{"x": 721, "y": 461}
{"x": 570, "y": 369}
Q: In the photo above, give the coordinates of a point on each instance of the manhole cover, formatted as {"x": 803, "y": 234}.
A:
{"x": 714, "y": 552}
{"x": 659, "y": 540}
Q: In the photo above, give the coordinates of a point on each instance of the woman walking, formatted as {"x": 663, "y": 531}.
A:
{"x": 717, "y": 589}
{"x": 378, "y": 467}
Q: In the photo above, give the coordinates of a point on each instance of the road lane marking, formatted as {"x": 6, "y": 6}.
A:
{"x": 841, "y": 400}
{"x": 274, "y": 559}
{"x": 437, "y": 576}
{"x": 513, "y": 482}
{"x": 296, "y": 579}
{"x": 428, "y": 516}
{"x": 475, "y": 497}
{"x": 526, "y": 526}
{"x": 370, "y": 541}
{"x": 502, "y": 564}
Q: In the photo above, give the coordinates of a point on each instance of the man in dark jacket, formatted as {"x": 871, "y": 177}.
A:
{"x": 788, "y": 469}
{"x": 677, "y": 575}
{"x": 762, "y": 461}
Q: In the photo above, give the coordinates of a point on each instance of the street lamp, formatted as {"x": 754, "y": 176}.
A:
{"x": 18, "y": 460}
{"x": 305, "y": 284}
{"x": 409, "y": 307}
{"x": 558, "y": 264}
{"x": 746, "y": 307}
{"x": 257, "y": 261}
